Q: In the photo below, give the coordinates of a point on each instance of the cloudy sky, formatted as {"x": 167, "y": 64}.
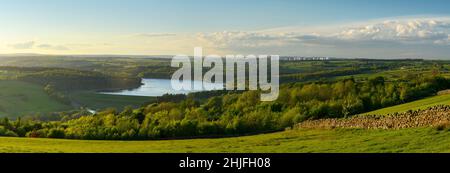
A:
{"x": 338, "y": 28}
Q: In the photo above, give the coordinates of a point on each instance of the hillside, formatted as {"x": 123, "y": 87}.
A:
{"x": 416, "y": 131}
{"x": 436, "y": 116}
{"x": 21, "y": 98}
{"x": 97, "y": 101}
{"x": 416, "y": 105}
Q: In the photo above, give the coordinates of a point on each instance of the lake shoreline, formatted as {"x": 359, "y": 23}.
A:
{"x": 152, "y": 87}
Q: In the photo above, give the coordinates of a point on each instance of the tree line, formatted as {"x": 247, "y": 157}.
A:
{"x": 64, "y": 79}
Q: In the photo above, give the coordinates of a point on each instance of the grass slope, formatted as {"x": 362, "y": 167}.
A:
{"x": 98, "y": 101}
{"x": 295, "y": 141}
{"x": 416, "y": 105}
{"x": 21, "y": 98}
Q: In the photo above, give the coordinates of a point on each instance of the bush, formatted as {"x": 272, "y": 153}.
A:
{"x": 56, "y": 133}
{"x": 6, "y": 132}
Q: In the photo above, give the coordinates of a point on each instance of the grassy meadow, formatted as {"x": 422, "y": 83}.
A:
{"x": 420, "y": 140}
{"x": 20, "y": 98}
{"x": 415, "y": 105}
{"x": 98, "y": 101}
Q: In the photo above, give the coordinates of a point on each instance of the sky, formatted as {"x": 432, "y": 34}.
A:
{"x": 337, "y": 28}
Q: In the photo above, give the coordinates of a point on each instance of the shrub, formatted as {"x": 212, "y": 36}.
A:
{"x": 56, "y": 133}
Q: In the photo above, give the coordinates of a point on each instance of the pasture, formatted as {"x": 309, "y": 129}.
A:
{"x": 22, "y": 98}
{"x": 415, "y": 105}
{"x": 417, "y": 140}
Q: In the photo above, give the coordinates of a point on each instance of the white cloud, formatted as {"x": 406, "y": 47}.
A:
{"x": 24, "y": 45}
{"x": 241, "y": 39}
{"x": 34, "y": 45}
{"x": 406, "y": 31}
{"x": 52, "y": 47}
{"x": 151, "y": 35}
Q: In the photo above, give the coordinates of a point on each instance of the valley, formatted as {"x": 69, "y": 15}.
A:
{"x": 78, "y": 104}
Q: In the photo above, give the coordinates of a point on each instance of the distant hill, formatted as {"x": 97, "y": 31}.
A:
{"x": 84, "y": 56}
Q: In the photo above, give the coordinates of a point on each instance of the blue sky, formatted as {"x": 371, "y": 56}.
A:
{"x": 207, "y": 15}
{"x": 62, "y": 26}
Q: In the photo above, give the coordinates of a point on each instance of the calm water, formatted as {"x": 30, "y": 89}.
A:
{"x": 156, "y": 87}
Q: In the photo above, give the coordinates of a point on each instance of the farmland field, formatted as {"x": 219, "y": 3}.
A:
{"x": 20, "y": 98}
{"x": 97, "y": 101}
{"x": 418, "y": 140}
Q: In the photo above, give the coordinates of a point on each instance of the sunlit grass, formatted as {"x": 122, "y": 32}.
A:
{"x": 295, "y": 141}
{"x": 416, "y": 105}
{"x": 21, "y": 98}
{"x": 95, "y": 100}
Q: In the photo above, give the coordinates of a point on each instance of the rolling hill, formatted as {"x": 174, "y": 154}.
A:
{"x": 416, "y": 105}
{"x": 21, "y": 98}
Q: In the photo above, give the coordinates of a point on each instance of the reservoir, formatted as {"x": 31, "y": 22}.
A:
{"x": 157, "y": 87}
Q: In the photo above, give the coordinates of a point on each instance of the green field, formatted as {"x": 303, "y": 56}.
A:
{"x": 98, "y": 101}
{"x": 416, "y": 105}
{"x": 21, "y": 98}
{"x": 295, "y": 141}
